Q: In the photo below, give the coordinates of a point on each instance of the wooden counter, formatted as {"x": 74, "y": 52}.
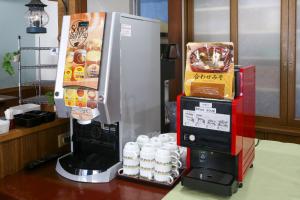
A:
{"x": 21, "y": 145}
{"x": 46, "y": 184}
{"x": 21, "y": 131}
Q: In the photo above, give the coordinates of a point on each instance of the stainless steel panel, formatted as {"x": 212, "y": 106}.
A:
{"x": 109, "y": 88}
{"x": 140, "y": 77}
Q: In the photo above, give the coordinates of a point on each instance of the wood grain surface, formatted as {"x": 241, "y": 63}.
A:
{"x": 22, "y": 145}
{"x": 44, "y": 183}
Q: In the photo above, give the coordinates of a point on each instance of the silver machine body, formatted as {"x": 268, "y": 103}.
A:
{"x": 129, "y": 85}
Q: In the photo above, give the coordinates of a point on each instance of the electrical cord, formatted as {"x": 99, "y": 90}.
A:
{"x": 257, "y": 143}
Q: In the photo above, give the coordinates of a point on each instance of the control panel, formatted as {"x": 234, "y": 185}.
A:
{"x": 206, "y": 123}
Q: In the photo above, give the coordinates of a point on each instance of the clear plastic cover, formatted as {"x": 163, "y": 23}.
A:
{"x": 36, "y": 18}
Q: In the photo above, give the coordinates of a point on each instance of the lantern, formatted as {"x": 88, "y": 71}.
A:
{"x": 36, "y": 17}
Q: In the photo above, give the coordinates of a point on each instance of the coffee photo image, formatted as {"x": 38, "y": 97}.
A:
{"x": 209, "y": 70}
{"x": 215, "y": 57}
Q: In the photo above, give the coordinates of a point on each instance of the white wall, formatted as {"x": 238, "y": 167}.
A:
{"x": 110, "y": 6}
{"x": 49, "y": 39}
{"x": 12, "y": 23}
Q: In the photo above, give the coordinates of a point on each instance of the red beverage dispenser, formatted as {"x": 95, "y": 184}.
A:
{"x": 219, "y": 135}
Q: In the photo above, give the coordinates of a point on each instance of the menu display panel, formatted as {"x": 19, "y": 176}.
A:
{"x": 83, "y": 60}
{"x": 83, "y": 57}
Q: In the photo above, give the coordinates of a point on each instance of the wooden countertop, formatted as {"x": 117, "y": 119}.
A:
{"x": 6, "y": 98}
{"x": 44, "y": 183}
{"x": 21, "y": 131}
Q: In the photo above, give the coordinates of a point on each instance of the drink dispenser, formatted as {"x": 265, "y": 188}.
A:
{"x": 108, "y": 84}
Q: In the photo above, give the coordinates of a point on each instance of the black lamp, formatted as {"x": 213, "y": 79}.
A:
{"x": 36, "y": 17}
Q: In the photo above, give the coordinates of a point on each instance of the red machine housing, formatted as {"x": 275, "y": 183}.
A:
{"x": 242, "y": 131}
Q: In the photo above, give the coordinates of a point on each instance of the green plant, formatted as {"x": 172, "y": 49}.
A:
{"x": 50, "y": 98}
{"x": 7, "y": 62}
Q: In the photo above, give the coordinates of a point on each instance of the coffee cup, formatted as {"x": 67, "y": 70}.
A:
{"x": 164, "y": 138}
{"x": 146, "y": 173}
{"x": 142, "y": 139}
{"x": 163, "y": 177}
{"x": 173, "y": 137}
{"x": 166, "y": 167}
{"x": 149, "y": 164}
{"x": 129, "y": 170}
{"x": 147, "y": 156}
{"x": 131, "y": 161}
{"x": 163, "y": 155}
{"x": 171, "y": 168}
{"x": 148, "y": 151}
{"x": 131, "y": 150}
{"x": 156, "y": 142}
{"x": 163, "y": 167}
{"x": 173, "y": 148}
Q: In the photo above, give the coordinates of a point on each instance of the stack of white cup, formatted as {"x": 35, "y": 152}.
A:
{"x": 131, "y": 159}
{"x": 157, "y": 158}
{"x": 147, "y": 161}
{"x": 166, "y": 165}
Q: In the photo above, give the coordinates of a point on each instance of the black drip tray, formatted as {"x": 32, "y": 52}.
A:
{"x": 212, "y": 181}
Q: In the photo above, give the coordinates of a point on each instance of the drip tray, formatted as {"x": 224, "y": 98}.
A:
{"x": 94, "y": 162}
{"x": 211, "y": 181}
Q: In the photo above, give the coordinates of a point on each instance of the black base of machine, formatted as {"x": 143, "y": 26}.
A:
{"x": 95, "y": 148}
{"x": 211, "y": 181}
{"x": 77, "y": 165}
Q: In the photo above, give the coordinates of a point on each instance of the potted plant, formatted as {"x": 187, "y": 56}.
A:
{"x": 8, "y": 59}
{"x": 50, "y": 97}
{"x": 50, "y": 105}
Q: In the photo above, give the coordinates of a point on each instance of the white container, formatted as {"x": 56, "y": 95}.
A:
{"x": 4, "y": 126}
{"x": 24, "y": 108}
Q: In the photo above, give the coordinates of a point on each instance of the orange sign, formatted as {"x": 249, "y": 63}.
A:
{"x": 80, "y": 97}
{"x": 82, "y": 63}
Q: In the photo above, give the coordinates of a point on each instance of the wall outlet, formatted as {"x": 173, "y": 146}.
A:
{"x": 63, "y": 139}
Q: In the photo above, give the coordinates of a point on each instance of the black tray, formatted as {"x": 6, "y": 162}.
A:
{"x": 211, "y": 181}
{"x": 46, "y": 116}
{"x": 138, "y": 179}
{"x": 28, "y": 120}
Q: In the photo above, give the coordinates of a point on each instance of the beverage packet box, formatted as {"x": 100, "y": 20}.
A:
{"x": 209, "y": 70}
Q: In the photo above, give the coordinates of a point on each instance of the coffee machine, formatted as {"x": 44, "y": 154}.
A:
{"x": 219, "y": 136}
{"x": 128, "y": 97}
